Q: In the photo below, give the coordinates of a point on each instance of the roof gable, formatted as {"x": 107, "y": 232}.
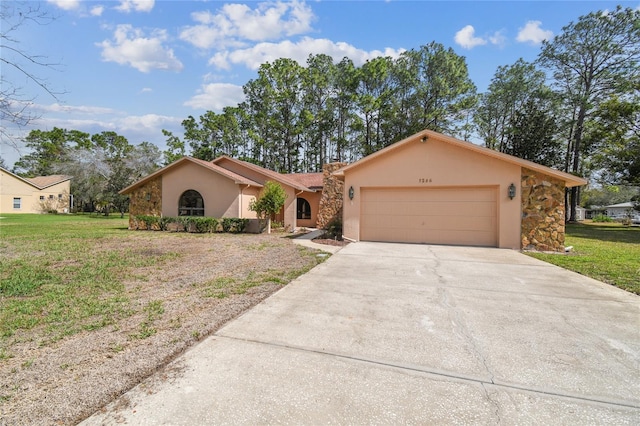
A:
{"x": 424, "y": 136}
{"x": 236, "y": 178}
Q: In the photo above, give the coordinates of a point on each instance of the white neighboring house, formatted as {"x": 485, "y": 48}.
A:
{"x": 620, "y": 210}
{"x": 34, "y": 195}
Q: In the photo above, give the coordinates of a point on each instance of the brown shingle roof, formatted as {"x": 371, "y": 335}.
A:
{"x": 310, "y": 180}
{"x": 46, "y": 181}
{"x": 282, "y": 178}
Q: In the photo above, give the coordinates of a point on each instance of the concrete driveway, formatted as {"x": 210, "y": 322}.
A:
{"x": 411, "y": 334}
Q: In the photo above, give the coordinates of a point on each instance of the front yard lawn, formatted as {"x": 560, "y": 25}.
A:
{"x": 606, "y": 252}
{"x": 88, "y": 308}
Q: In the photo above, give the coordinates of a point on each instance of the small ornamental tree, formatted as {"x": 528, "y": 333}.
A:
{"x": 269, "y": 202}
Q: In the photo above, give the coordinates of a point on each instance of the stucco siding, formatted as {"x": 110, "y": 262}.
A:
{"x": 436, "y": 164}
{"x": 248, "y": 195}
{"x": 11, "y": 187}
{"x": 290, "y": 208}
{"x": 221, "y": 196}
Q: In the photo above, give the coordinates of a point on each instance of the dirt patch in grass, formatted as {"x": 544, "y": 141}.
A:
{"x": 330, "y": 242}
{"x": 202, "y": 282}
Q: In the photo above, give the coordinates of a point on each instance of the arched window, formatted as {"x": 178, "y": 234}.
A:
{"x": 191, "y": 204}
{"x": 304, "y": 209}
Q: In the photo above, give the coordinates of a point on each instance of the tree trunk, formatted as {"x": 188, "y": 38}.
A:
{"x": 576, "y": 160}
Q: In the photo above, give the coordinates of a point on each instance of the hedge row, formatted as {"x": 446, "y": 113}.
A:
{"x": 195, "y": 224}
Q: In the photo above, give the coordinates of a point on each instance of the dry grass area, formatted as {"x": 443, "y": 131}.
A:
{"x": 198, "y": 283}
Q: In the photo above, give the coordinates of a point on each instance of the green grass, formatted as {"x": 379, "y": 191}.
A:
{"x": 606, "y": 252}
{"x": 55, "y": 273}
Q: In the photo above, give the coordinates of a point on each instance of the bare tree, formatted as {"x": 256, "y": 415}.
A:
{"x": 15, "y": 104}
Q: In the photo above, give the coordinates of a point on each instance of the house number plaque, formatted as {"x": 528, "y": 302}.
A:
{"x": 424, "y": 180}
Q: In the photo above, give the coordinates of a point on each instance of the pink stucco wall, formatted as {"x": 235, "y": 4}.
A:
{"x": 437, "y": 164}
{"x": 220, "y": 194}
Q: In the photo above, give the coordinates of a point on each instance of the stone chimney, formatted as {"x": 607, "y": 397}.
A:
{"x": 332, "y": 193}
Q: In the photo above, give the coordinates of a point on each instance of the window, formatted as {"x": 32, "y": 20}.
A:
{"x": 59, "y": 196}
{"x": 191, "y": 204}
{"x": 51, "y": 196}
{"x": 304, "y": 209}
{"x": 42, "y": 198}
{"x": 17, "y": 203}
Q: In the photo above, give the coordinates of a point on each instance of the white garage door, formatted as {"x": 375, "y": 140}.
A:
{"x": 461, "y": 216}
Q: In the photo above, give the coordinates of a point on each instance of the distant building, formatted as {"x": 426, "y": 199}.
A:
{"x": 620, "y": 210}
{"x": 40, "y": 194}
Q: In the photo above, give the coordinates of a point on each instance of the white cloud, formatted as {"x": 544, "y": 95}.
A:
{"x": 533, "y": 34}
{"x": 74, "y": 109}
{"x": 145, "y": 123}
{"x": 135, "y": 5}
{"x": 146, "y": 90}
{"x": 466, "y": 38}
{"x": 498, "y": 38}
{"x": 236, "y": 24}
{"x": 131, "y": 47}
{"x": 216, "y": 96}
{"x": 97, "y": 10}
{"x": 66, "y": 4}
{"x": 254, "y": 56}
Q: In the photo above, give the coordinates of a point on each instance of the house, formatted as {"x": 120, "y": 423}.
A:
{"x": 427, "y": 188}
{"x": 620, "y": 210}
{"x": 221, "y": 188}
{"x": 40, "y": 194}
{"x": 432, "y": 188}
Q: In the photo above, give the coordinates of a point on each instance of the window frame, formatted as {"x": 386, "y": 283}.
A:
{"x": 301, "y": 211}
{"x": 189, "y": 210}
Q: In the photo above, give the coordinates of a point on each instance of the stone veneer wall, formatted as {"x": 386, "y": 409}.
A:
{"x": 331, "y": 199}
{"x": 542, "y": 212}
{"x": 139, "y": 205}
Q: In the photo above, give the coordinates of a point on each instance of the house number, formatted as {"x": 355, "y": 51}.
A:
{"x": 424, "y": 180}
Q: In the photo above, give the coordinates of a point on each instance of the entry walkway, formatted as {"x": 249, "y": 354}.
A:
{"x": 417, "y": 334}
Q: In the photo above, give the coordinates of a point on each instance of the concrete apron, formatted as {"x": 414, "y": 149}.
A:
{"x": 395, "y": 333}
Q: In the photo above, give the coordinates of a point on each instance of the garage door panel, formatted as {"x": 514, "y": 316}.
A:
{"x": 466, "y": 216}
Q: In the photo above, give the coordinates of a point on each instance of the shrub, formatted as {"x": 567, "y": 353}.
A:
{"x": 602, "y": 218}
{"x": 269, "y": 202}
{"x": 334, "y": 229}
{"x": 235, "y": 225}
{"x": 145, "y": 222}
{"x": 192, "y": 224}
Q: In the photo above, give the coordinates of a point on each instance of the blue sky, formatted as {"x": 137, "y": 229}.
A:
{"x": 138, "y": 66}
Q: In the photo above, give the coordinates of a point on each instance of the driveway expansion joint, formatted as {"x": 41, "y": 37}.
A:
{"x": 449, "y": 375}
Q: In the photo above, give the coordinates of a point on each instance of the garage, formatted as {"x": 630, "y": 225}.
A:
{"x": 454, "y": 215}
{"x": 435, "y": 189}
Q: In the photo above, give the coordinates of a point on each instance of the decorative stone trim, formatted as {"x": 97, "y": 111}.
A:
{"x": 145, "y": 200}
{"x": 331, "y": 200}
{"x": 543, "y": 212}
